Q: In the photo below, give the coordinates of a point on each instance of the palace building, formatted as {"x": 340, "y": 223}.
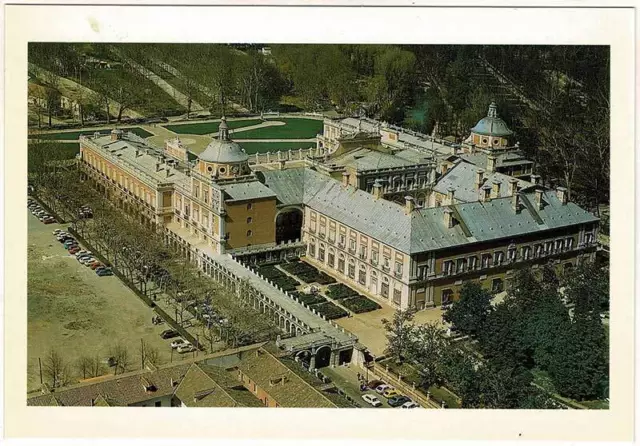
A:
{"x": 399, "y": 217}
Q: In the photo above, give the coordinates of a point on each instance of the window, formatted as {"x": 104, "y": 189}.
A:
{"x": 447, "y": 296}
{"x": 538, "y": 250}
{"x": 397, "y": 295}
{"x": 196, "y": 191}
{"x": 422, "y": 271}
{"x": 485, "y": 140}
{"x": 384, "y": 290}
{"x": 313, "y": 226}
{"x": 331, "y": 258}
{"x": 497, "y": 285}
{"x": 486, "y": 260}
{"x": 362, "y": 276}
{"x": 312, "y": 250}
{"x": 398, "y": 270}
{"x": 588, "y": 238}
{"x": 363, "y": 252}
{"x": 352, "y": 269}
{"x": 332, "y": 235}
{"x": 511, "y": 253}
{"x": 498, "y": 258}
{"x": 158, "y": 403}
{"x": 321, "y": 252}
{"x": 374, "y": 257}
{"x": 447, "y": 267}
{"x": 461, "y": 265}
{"x": 526, "y": 252}
{"x": 342, "y": 240}
{"x": 249, "y": 233}
{"x": 569, "y": 244}
{"x": 386, "y": 263}
{"x": 341, "y": 263}
{"x": 352, "y": 244}
{"x": 473, "y": 263}
{"x": 559, "y": 245}
{"x": 249, "y": 206}
{"x": 249, "y": 220}
{"x": 548, "y": 248}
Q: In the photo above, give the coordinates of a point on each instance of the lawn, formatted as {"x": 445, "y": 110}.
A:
{"x": 204, "y": 128}
{"x": 78, "y": 313}
{"x": 294, "y": 128}
{"x": 264, "y": 147}
{"x": 72, "y": 136}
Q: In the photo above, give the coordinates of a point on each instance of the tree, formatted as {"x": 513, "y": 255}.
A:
{"x": 428, "y": 347}
{"x": 148, "y": 355}
{"x": 586, "y": 286}
{"x": 84, "y": 365}
{"x": 400, "y": 332}
{"x": 120, "y": 355}
{"x": 503, "y": 387}
{"x": 56, "y": 369}
{"x": 469, "y": 313}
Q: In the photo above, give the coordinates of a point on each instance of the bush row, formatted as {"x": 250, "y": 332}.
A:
{"x": 360, "y": 304}
{"x": 270, "y": 272}
{"x": 286, "y": 283}
{"x": 330, "y": 310}
{"x": 309, "y": 299}
{"x": 340, "y": 291}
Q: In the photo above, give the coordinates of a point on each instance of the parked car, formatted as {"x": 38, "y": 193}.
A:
{"x": 168, "y": 334}
{"x": 372, "y": 400}
{"x": 57, "y": 231}
{"x": 399, "y": 400}
{"x": 381, "y": 388}
{"x": 96, "y": 264}
{"x": 69, "y": 241}
{"x": 375, "y": 383}
{"x": 104, "y": 272}
{"x": 390, "y": 393}
{"x": 178, "y": 342}
{"x": 86, "y": 261}
{"x": 410, "y": 405}
{"x": 186, "y": 348}
{"x": 49, "y": 220}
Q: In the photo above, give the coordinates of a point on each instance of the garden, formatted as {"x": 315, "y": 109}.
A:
{"x": 340, "y": 291}
{"x": 294, "y": 128}
{"x": 308, "y": 273}
{"x": 360, "y": 304}
{"x": 308, "y": 299}
{"x": 204, "y": 128}
{"x": 330, "y": 310}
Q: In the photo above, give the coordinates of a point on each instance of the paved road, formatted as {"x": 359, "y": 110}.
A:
{"x": 346, "y": 378}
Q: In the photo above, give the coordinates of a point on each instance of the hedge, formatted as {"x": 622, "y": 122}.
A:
{"x": 330, "y": 311}
{"x": 309, "y": 299}
{"x": 340, "y": 291}
{"x": 286, "y": 283}
{"x": 360, "y": 304}
{"x": 270, "y": 272}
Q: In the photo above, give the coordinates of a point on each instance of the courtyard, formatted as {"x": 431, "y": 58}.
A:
{"x": 77, "y": 313}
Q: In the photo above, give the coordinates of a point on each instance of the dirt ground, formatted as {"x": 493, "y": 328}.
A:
{"x": 370, "y": 331}
{"x": 78, "y": 313}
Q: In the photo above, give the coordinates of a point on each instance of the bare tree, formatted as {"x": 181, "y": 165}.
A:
{"x": 120, "y": 355}
{"x": 84, "y": 365}
{"x": 56, "y": 370}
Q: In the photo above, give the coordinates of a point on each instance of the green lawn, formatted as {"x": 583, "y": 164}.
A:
{"x": 263, "y": 147}
{"x": 295, "y": 128}
{"x": 203, "y": 128}
{"x": 70, "y": 136}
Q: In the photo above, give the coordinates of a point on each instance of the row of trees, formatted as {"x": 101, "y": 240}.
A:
{"x": 531, "y": 330}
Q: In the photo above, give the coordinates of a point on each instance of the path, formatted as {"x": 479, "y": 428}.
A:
{"x": 70, "y": 89}
{"x": 180, "y": 97}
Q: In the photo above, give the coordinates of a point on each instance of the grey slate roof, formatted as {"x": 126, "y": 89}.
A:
{"x": 492, "y": 125}
{"x": 462, "y": 178}
{"x": 424, "y": 229}
{"x": 223, "y": 151}
{"x": 367, "y": 159}
{"x": 287, "y": 184}
{"x": 502, "y": 159}
{"x": 252, "y": 190}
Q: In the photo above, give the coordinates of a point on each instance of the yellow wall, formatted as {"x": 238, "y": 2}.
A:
{"x": 262, "y": 227}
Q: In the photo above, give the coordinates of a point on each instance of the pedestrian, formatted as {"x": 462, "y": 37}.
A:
{"x": 154, "y": 296}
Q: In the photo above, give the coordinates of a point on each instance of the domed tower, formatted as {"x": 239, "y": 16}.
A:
{"x": 223, "y": 158}
{"x": 491, "y": 131}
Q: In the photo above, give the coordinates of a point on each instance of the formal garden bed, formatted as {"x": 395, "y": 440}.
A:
{"x": 340, "y": 291}
{"x": 204, "y": 128}
{"x": 294, "y": 128}
{"x": 330, "y": 310}
{"x": 285, "y": 282}
{"x": 308, "y": 273}
{"x": 360, "y": 304}
{"x": 270, "y": 272}
{"x": 308, "y": 299}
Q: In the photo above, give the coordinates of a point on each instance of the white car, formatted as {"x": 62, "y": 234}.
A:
{"x": 179, "y": 343}
{"x": 410, "y": 405}
{"x": 57, "y": 231}
{"x": 88, "y": 261}
{"x": 82, "y": 252}
{"x": 381, "y": 388}
{"x": 372, "y": 399}
{"x": 186, "y": 348}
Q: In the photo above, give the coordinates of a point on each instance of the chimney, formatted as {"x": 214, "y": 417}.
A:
{"x": 485, "y": 193}
{"x": 377, "y": 190}
{"x": 158, "y": 166}
{"x": 491, "y": 163}
{"x": 443, "y": 168}
{"x": 495, "y": 190}
{"x": 561, "y": 192}
{"x": 450, "y": 194}
{"x": 345, "y": 179}
{"x": 479, "y": 178}
{"x": 448, "y": 217}
{"x": 409, "y": 205}
{"x": 453, "y": 149}
{"x": 168, "y": 172}
{"x": 535, "y": 179}
{"x": 539, "y": 193}
{"x": 137, "y": 153}
{"x": 513, "y": 186}
{"x": 281, "y": 164}
{"x": 515, "y": 202}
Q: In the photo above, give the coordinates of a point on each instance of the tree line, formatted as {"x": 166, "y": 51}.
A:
{"x": 545, "y": 324}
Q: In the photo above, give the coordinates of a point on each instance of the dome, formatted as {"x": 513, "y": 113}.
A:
{"x": 223, "y": 150}
{"x": 492, "y": 125}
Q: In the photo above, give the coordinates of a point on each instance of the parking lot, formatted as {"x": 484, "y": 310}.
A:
{"x": 78, "y": 313}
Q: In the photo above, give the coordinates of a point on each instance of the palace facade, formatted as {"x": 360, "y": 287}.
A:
{"x": 401, "y": 220}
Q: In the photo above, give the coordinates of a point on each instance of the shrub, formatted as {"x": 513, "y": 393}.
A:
{"x": 360, "y": 304}
{"x": 309, "y": 299}
{"x": 330, "y": 311}
{"x": 286, "y": 283}
{"x": 270, "y": 272}
{"x": 340, "y": 291}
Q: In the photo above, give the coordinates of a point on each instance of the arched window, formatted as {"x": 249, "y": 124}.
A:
{"x": 362, "y": 275}
{"x": 331, "y": 258}
{"x": 341, "y": 263}
{"x": 321, "y": 252}
{"x": 352, "y": 269}
{"x": 384, "y": 289}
